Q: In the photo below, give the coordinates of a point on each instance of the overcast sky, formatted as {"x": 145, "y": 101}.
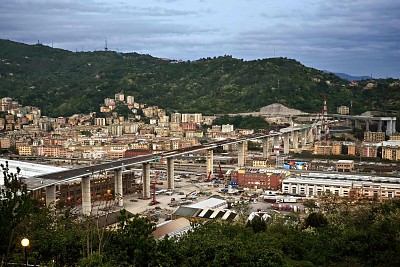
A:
{"x": 351, "y": 36}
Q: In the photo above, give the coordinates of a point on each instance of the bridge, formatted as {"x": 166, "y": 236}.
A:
{"x": 293, "y": 136}
{"x": 389, "y": 121}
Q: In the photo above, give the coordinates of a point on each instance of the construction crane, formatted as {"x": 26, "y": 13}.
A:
{"x": 209, "y": 177}
{"x": 220, "y": 174}
{"x": 154, "y": 184}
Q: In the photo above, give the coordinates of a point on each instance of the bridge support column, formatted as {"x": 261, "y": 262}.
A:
{"x": 286, "y": 142}
{"x": 367, "y": 125}
{"x": 266, "y": 148}
{"x": 379, "y": 126}
{"x": 146, "y": 180}
{"x": 276, "y": 144}
{"x": 170, "y": 173}
{"x": 210, "y": 163}
{"x": 296, "y": 141}
{"x": 389, "y": 126}
{"x": 50, "y": 195}
{"x": 118, "y": 187}
{"x": 86, "y": 196}
{"x": 394, "y": 126}
{"x": 311, "y": 135}
{"x": 304, "y": 136}
{"x": 357, "y": 124}
{"x": 241, "y": 154}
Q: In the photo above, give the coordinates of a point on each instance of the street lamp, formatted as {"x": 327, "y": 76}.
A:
{"x": 25, "y": 244}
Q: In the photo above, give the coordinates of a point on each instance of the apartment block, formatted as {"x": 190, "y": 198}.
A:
{"x": 5, "y": 143}
{"x": 391, "y": 150}
{"x": 344, "y": 110}
{"x": 374, "y": 137}
{"x": 25, "y": 150}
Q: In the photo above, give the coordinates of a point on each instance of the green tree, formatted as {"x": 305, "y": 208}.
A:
{"x": 258, "y": 224}
{"x": 15, "y": 205}
{"x": 132, "y": 243}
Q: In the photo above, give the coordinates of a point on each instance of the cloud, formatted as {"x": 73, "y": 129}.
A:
{"x": 326, "y": 34}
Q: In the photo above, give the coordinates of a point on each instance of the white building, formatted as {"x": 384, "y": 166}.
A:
{"x": 313, "y": 184}
{"x": 130, "y": 100}
{"x": 227, "y": 128}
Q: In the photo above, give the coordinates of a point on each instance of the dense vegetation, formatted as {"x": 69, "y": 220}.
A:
{"x": 63, "y": 82}
{"x": 335, "y": 233}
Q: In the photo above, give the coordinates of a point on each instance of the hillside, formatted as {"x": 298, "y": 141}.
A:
{"x": 63, "y": 82}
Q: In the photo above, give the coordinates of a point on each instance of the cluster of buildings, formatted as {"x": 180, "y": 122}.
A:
{"x": 27, "y": 133}
{"x": 373, "y": 146}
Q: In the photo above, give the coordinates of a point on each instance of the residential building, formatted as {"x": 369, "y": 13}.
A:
{"x": 369, "y": 150}
{"x": 130, "y": 100}
{"x": 374, "y": 137}
{"x": 322, "y": 149}
{"x": 391, "y": 150}
{"x": 394, "y": 137}
{"x": 119, "y": 97}
{"x": 344, "y": 110}
{"x": 25, "y": 150}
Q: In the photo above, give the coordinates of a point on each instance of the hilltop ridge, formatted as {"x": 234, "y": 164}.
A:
{"x": 62, "y": 83}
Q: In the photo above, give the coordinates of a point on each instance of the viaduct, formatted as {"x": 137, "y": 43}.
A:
{"x": 291, "y": 138}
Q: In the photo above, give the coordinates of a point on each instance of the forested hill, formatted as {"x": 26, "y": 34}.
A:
{"x": 63, "y": 82}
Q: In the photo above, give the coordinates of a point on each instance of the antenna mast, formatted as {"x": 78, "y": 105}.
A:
{"x": 105, "y": 47}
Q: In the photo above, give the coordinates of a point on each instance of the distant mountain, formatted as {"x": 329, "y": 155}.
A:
{"x": 62, "y": 82}
{"x": 348, "y": 77}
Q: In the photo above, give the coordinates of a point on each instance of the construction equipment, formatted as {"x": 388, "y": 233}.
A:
{"x": 154, "y": 184}
{"x": 208, "y": 177}
{"x": 220, "y": 174}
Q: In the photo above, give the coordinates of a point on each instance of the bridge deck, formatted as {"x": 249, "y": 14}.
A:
{"x": 41, "y": 181}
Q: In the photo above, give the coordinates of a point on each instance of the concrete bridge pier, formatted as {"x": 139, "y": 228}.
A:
{"x": 276, "y": 143}
{"x": 118, "y": 187}
{"x": 304, "y": 136}
{"x": 210, "y": 163}
{"x": 266, "y": 147}
{"x": 389, "y": 127}
{"x": 286, "y": 142}
{"x": 367, "y": 125}
{"x": 146, "y": 180}
{"x": 241, "y": 154}
{"x": 310, "y": 135}
{"x": 380, "y": 126}
{"x": 170, "y": 173}
{"x": 86, "y": 196}
{"x": 296, "y": 141}
{"x": 50, "y": 195}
